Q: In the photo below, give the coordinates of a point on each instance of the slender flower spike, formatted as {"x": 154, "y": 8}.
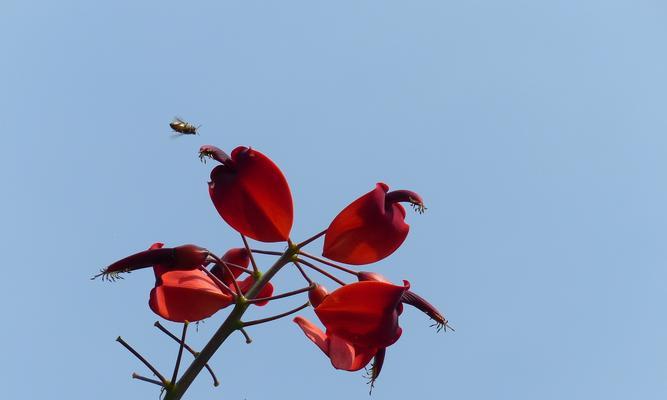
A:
{"x": 371, "y": 228}
{"x": 183, "y": 257}
{"x": 250, "y": 193}
{"x": 361, "y": 321}
{"x": 239, "y": 257}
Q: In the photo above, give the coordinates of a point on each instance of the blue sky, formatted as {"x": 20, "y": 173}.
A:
{"x": 535, "y": 131}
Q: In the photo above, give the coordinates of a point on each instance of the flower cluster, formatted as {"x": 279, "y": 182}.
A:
{"x": 251, "y": 194}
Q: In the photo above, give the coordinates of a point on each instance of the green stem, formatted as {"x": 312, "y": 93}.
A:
{"x": 232, "y": 323}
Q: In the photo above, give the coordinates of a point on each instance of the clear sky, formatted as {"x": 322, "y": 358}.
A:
{"x": 536, "y": 131}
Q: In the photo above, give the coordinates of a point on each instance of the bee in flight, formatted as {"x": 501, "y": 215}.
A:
{"x": 182, "y": 127}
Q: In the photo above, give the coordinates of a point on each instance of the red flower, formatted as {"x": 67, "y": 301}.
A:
{"x": 183, "y": 257}
{"x": 250, "y": 193}
{"x": 361, "y": 321}
{"x": 239, "y": 256}
{"x": 181, "y": 296}
{"x": 371, "y": 228}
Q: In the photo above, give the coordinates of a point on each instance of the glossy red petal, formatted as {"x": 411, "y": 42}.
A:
{"x": 267, "y": 290}
{"x": 314, "y": 333}
{"x": 347, "y": 356}
{"x": 343, "y": 354}
{"x": 237, "y": 256}
{"x": 187, "y": 296}
{"x": 364, "y": 313}
{"x": 367, "y": 230}
{"x": 252, "y": 195}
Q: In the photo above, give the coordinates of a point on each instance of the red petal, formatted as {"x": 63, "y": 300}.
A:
{"x": 237, "y": 256}
{"x": 313, "y": 333}
{"x": 343, "y": 354}
{"x": 364, "y": 313}
{"x": 346, "y": 356}
{"x": 187, "y": 296}
{"x": 267, "y": 290}
{"x": 252, "y": 195}
{"x": 367, "y": 230}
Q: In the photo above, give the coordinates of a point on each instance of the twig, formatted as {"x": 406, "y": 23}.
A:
{"x": 189, "y": 349}
{"x": 323, "y": 272}
{"x": 309, "y": 240}
{"x": 252, "y": 259}
{"x": 275, "y": 317}
{"x": 143, "y": 360}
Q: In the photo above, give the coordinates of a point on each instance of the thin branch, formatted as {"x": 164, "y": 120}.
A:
{"x": 189, "y": 349}
{"x": 275, "y": 317}
{"x": 267, "y": 252}
{"x": 307, "y": 241}
{"x": 143, "y": 360}
{"x": 180, "y": 352}
{"x": 234, "y": 282}
{"x": 149, "y": 380}
{"x": 219, "y": 261}
{"x": 329, "y": 263}
{"x": 303, "y": 273}
{"x": 217, "y": 281}
{"x": 323, "y": 272}
{"x": 280, "y": 296}
{"x": 235, "y": 266}
{"x": 252, "y": 259}
{"x": 248, "y": 339}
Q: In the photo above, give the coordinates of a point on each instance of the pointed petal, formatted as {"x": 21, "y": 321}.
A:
{"x": 252, "y": 195}
{"x": 313, "y": 333}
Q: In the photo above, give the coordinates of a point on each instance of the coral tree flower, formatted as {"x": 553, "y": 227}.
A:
{"x": 370, "y": 228}
{"x": 185, "y": 295}
{"x": 183, "y": 290}
{"x": 361, "y": 321}
{"x": 185, "y": 257}
{"x": 239, "y": 257}
{"x": 250, "y": 193}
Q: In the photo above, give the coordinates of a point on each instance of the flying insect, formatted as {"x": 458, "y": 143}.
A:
{"x": 182, "y": 127}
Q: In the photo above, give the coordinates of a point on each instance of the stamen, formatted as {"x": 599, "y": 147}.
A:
{"x": 110, "y": 276}
{"x": 214, "y": 153}
{"x": 418, "y": 207}
{"x": 373, "y": 372}
{"x": 413, "y": 299}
